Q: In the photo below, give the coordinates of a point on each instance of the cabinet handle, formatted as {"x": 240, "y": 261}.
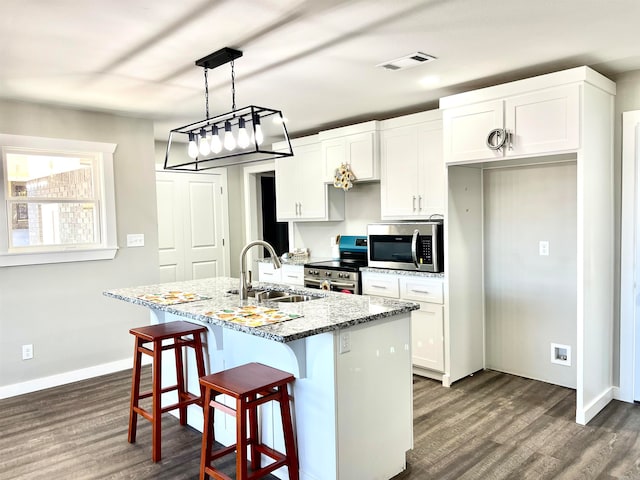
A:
{"x": 379, "y": 286}
{"x": 498, "y": 138}
{"x": 420, "y": 202}
{"x": 419, "y": 291}
{"x": 292, "y": 276}
{"x": 414, "y": 203}
{"x": 300, "y": 209}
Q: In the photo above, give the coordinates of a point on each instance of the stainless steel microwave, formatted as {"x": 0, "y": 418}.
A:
{"x": 407, "y": 246}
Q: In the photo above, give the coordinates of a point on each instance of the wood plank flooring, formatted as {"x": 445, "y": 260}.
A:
{"x": 489, "y": 426}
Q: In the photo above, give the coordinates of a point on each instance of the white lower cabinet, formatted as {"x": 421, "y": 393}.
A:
{"x": 427, "y": 324}
{"x": 427, "y": 337}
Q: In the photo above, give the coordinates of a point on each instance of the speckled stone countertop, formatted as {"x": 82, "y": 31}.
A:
{"x": 410, "y": 273}
{"x": 295, "y": 261}
{"x": 331, "y": 311}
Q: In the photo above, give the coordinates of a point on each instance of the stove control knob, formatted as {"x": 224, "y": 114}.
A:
{"x": 327, "y": 274}
{"x": 315, "y": 272}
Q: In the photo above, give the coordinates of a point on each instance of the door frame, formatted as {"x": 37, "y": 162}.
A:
{"x": 252, "y": 230}
{"x": 629, "y": 250}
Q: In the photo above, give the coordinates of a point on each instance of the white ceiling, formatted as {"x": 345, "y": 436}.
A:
{"x": 313, "y": 59}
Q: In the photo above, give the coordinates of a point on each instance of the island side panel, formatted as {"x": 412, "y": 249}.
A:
{"x": 375, "y": 398}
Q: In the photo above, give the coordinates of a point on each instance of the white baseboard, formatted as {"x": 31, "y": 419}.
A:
{"x": 585, "y": 415}
{"x": 67, "y": 377}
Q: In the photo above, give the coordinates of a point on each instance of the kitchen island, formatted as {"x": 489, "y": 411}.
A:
{"x": 350, "y": 354}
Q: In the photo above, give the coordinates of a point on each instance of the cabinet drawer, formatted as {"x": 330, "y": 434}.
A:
{"x": 266, "y": 273}
{"x": 293, "y": 274}
{"x": 380, "y": 285}
{"x": 422, "y": 289}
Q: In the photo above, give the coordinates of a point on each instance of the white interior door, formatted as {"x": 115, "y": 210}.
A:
{"x": 192, "y": 225}
{"x": 629, "y": 254}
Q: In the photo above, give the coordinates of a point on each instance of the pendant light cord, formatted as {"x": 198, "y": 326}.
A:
{"x": 206, "y": 93}
{"x": 233, "y": 87}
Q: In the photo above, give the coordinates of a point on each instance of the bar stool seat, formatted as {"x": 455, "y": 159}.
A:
{"x": 156, "y": 334}
{"x": 251, "y": 385}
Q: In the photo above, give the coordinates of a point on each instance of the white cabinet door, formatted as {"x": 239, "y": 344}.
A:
{"x": 544, "y": 122}
{"x": 412, "y": 171}
{"x": 427, "y": 337}
{"x": 301, "y": 194}
{"x": 431, "y": 171}
{"x": 287, "y": 188}
{"x": 312, "y": 191}
{"x": 400, "y": 151}
{"x": 356, "y": 146}
{"x": 465, "y": 131}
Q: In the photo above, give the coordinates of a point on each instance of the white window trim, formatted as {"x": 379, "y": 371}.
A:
{"x": 109, "y": 244}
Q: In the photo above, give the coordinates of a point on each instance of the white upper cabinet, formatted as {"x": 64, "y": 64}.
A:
{"x": 540, "y": 122}
{"x": 356, "y": 146}
{"x": 301, "y": 194}
{"x": 412, "y": 176}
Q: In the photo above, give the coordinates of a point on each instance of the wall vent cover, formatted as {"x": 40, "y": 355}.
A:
{"x": 408, "y": 61}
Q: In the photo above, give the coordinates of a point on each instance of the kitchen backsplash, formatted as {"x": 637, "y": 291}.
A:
{"x": 362, "y": 207}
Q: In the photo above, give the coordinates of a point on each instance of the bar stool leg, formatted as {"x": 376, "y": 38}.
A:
{"x": 253, "y": 434}
{"x": 156, "y": 423}
{"x": 197, "y": 345}
{"x": 287, "y": 427}
{"x": 182, "y": 410}
{"x": 135, "y": 391}
{"x": 207, "y": 434}
{"x": 241, "y": 439}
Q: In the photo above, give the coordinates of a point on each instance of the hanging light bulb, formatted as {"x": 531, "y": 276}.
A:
{"x": 216, "y": 144}
{"x": 229, "y": 141}
{"x": 203, "y": 145}
{"x": 243, "y": 136}
{"x": 193, "y": 148}
{"x": 259, "y": 136}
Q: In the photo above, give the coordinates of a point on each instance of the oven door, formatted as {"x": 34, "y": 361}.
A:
{"x": 343, "y": 286}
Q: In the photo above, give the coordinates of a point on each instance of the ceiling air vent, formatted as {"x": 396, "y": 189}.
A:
{"x": 408, "y": 61}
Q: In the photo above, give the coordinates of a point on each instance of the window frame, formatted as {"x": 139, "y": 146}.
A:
{"x": 107, "y": 246}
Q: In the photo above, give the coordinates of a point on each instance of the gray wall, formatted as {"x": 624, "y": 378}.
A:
{"x": 627, "y": 99}
{"x": 530, "y": 300}
{"x": 59, "y": 308}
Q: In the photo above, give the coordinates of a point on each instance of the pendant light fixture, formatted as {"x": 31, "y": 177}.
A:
{"x": 240, "y": 136}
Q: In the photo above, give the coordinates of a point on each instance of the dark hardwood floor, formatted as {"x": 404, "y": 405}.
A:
{"x": 489, "y": 426}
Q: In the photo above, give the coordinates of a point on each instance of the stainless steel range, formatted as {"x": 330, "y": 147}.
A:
{"x": 340, "y": 275}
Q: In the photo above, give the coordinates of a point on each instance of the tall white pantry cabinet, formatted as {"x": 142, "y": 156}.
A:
{"x": 565, "y": 116}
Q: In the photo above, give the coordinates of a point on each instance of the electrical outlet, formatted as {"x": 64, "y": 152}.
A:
{"x": 543, "y": 248}
{"x": 345, "y": 342}
{"x": 27, "y": 352}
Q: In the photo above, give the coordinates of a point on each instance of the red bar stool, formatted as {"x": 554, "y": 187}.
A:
{"x": 176, "y": 331}
{"x": 251, "y": 385}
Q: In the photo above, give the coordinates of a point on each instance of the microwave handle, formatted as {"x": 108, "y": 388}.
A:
{"x": 414, "y": 247}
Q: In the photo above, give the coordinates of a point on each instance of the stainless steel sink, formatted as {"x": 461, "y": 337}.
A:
{"x": 295, "y": 298}
{"x": 277, "y": 296}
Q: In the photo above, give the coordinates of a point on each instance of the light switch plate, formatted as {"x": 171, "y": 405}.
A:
{"x": 135, "y": 240}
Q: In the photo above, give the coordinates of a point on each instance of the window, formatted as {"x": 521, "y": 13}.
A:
{"x": 59, "y": 201}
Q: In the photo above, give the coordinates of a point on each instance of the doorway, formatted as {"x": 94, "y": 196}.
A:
{"x": 260, "y": 211}
{"x": 274, "y": 232}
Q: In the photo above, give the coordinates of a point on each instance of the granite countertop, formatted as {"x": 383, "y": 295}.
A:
{"x": 331, "y": 311}
{"x": 409, "y": 273}
{"x": 295, "y": 261}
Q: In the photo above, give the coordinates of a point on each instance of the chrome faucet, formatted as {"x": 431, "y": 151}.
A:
{"x": 244, "y": 285}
